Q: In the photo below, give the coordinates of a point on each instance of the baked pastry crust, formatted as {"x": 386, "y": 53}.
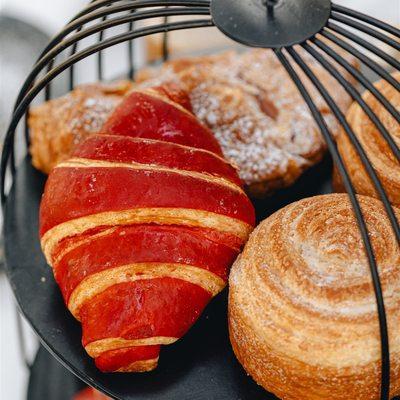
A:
{"x": 302, "y": 312}
{"x": 146, "y": 233}
{"x": 58, "y": 125}
{"x": 256, "y": 112}
{"x": 378, "y": 151}
{"x": 260, "y": 120}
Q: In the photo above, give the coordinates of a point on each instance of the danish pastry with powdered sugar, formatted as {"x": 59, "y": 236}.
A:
{"x": 256, "y": 112}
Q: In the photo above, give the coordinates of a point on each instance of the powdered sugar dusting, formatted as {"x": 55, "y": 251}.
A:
{"x": 255, "y": 111}
{"x": 58, "y": 125}
{"x": 94, "y": 112}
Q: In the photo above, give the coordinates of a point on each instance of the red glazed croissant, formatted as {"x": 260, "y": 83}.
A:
{"x": 141, "y": 227}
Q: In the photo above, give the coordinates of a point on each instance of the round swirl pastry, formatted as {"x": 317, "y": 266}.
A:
{"x": 302, "y": 312}
{"x": 377, "y": 149}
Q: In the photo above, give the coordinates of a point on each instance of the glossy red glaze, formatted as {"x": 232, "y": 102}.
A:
{"x": 146, "y": 116}
{"x": 170, "y": 155}
{"x": 113, "y": 360}
{"x": 219, "y": 237}
{"x": 143, "y": 309}
{"x": 96, "y": 190}
{"x": 152, "y": 307}
{"x": 142, "y": 243}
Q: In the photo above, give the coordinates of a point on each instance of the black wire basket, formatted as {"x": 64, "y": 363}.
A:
{"x": 328, "y": 27}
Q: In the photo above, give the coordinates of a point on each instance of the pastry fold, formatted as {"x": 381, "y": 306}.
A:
{"x": 141, "y": 226}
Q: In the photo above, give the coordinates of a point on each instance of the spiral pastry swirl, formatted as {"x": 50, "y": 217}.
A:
{"x": 378, "y": 151}
{"x": 302, "y": 312}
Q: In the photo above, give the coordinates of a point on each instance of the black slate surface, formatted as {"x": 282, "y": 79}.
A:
{"x": 200, "y": 366}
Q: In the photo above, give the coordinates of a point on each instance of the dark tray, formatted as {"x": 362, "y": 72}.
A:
{"x": 200, "y": 366}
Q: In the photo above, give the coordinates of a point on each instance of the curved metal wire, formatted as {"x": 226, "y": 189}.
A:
{"x": 77, "y": 37}
{"x": 359, "y": 216}
{"x": 372, "y": 48}
{"x": 87, "y": 16}
{"x": 367, "y": 18}
{"x": 374, "y": 66}
{"x": 50, "y": 56}
{"x": 96, "y": 4}
{"x": 131, "y": 51}
{"x": 385, "y": 365}
{"x": 101, "y": 10}
{"x": 100, "y": 53}
{"x": 165, "y": 47}
{"x": 364, "y": 81}
{"x": 352, "y": 137}
{"x": 366, "y": 29}
{"x": 73, "y": 51}
{"x": 31, "y": 94}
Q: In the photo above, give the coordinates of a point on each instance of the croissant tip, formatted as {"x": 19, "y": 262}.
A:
{"x": 136, "y": 366}
{"x": 141, "y": 366}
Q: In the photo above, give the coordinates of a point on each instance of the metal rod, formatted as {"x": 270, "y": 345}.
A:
{"x": 74, "y": 39}
{"x": 64, "y": 65}
{"x": 94, "y": 5}
{"x": 358, "y": 76}
{"x": 270, "y": 5}
{"x": 88, "y": 14}
{"x": 13, "y": 166}
{"x": 366, "y": 29}
{"x": 369, "y": 250}
{"x": 373, "y": 49}
{"x": 131, "y": 51}
{"x": 366, "y": 108}
{"x": 352, "y": 137}
{"x": 85, "y": 17}
{"x": 50, "y": 66}
{"x": 71, "y": 80}
{"x": 355, "y": 96}
{"x": 26, "y": 128}
{"x": 100, "y": 54}
{"x": 47, "y": 92}
{"x": 165, "y": 47}
{"x": 362, "y": 57}
{"x": 71, "y": 71}
{"x": 367, "y": 18}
